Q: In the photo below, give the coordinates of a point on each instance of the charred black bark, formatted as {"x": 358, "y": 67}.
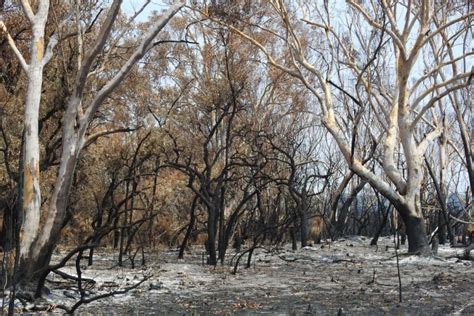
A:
{"x": 375, "y": 239}
{"x": 304, "y": 223}
{"x": 211, "y": 237}
{"x": 416, "y": 233}
{"x": 192, "y": 223}
{"x": 442, "y": 228}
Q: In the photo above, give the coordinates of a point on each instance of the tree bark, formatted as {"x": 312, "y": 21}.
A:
{"x": 211, "y": 237}
{"x": 31, "y": 203}
{"x": 416, "y": 232}
{"x": 442, "y": 228}
{"x": 304, "y": 223}
{"x": 192, "y": 223}
{"x": 377, "y": 234}
{"x": 36, "y": 242}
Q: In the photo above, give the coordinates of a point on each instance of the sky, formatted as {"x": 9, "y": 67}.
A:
{"x": 131, "y": 6}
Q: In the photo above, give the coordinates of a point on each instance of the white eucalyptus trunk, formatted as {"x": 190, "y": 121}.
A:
{"x": 37, "y": 243}
{"x": 31, "y": 192}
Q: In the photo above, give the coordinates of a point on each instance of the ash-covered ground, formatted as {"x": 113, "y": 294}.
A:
{"x": 348, "y": 277}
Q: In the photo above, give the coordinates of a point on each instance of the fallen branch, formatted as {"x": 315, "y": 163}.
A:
{"x": 343, "y": 260}
{"x": 307, "y": 258}
{"x": 466, "y": 255}
{"x": 82, "y": 301}
{"x": 72, "y": 277}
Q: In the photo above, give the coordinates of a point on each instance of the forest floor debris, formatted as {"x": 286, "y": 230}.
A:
{"x": 347, "y": 275}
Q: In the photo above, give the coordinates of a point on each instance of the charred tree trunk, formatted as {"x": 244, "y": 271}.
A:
{"x": 339, "y": 222}
{"x": 123, "y": 230}
{"x": 294, "y": 244}
{"x": 211, "y": 236}
{"x": 304, "y": 223}
{"x": 37, "y": 240}
{"x": 442, "y": 228}
{"x": 30, "y": 272}
{"x": 415, "y": 231}
{"x": 337, "y": 197}
{"x": 222, "y": 244}
{"x": 192, "y": 223}
{"x": 233, "y": 226}
{"x": 375, "y": 239}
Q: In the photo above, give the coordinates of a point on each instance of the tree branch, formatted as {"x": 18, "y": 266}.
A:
{"x": 13, "y": 46}
{"x": 92, "y": 138}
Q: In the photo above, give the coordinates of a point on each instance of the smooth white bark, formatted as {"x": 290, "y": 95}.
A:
{"x": 31, "y": 191}
{"x": 34, "y": 240}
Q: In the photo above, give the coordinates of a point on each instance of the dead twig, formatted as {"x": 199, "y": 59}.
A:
{"x": 399, "y": 278}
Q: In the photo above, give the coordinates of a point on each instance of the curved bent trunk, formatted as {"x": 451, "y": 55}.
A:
{"x": 189, "y": 230}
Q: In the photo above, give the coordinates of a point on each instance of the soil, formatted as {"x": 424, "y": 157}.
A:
{"x": 346, "y": 277}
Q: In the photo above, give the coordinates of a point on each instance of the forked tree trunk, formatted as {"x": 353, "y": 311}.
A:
{"x": 37, "y": 242}
{"x": 30, "y": 205}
